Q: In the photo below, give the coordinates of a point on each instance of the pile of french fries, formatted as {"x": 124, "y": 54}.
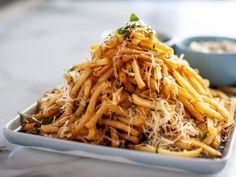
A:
{"x": 135, "y": 93}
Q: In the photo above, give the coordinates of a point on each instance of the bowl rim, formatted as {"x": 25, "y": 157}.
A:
{"x": 183, "y": 44}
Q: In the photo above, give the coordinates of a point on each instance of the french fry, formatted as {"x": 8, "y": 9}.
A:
{"x": 133, "y": 139}
{"x": 217, "y": 107}
{"x": 48, "y": 129}
{"x": 211, "y": 128}
{"x": 196, "y": 85}
{"x": 143, "y": 102}
{"x": 206, "y": 148}
{"x": 208, "y": 111}
{"x": 208, "y": 140}
{"x": 191, "y": 109}
{"x": 137, "y": 120}
{"x": 189, "y": 154}
{"x": 91, "y": 64}
{"x": 121, "y": 126}
{"x": 138, "y": 76}
{"x": 216, "y": 141}
{"x": 122, "y": 77}
{"x": 92, "y": 133}
{"x": 47, "y": 114}
{"x": 187, "y": 86}
{"x": 84, "y": 75}
{"x": 184, "y": 145}
{"x": 80, "y": 109}
{"x": 90, "y": 108}
{"x": 115, "y": 138}
{"x": 97, "y": 115}
{"x": 192, "y": 73}
{"x": 146, "y": 148}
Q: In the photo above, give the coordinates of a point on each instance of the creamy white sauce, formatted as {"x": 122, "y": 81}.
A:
{"x": 222, "y": 46}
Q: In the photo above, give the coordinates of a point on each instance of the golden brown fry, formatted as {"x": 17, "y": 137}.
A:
{"x": 84, "y": 75}
{"x": 120, "y": 126}
{"x": 48, "y": 129}
{"x": 90, "y": 108}
{"x": 206, "y": 148}
{"x": 91, "y": 134}
{"x": 187, "y": 86}
{"x": 138, "y": 76}
{"x": 92, "y": 122}
{"x": 208, "y": 140}
{"x": 47, "y": 114}
{"x": 216, "y": 142}
{"x": 184, "y": 145}
{"x": 133, "y": 139}
{"x": 146, "y": 148}
{"x": 80, "y": 109}
{"x": 208, "y": 110}
{"x": 196, "y": 85}
{"x": 115, "y": 138}
{"x": 116, "y": 109}
{"x": 91, "y": 64}
{"x": 217, "y": 107}
{"x": 192, "y": 73}
{"x": 122, "y": 77}
{"x": 191, "y": 108}
{"x": 143, "y": 102}
{"x": 69, "y": 78}
{"x": 190, "y": 154}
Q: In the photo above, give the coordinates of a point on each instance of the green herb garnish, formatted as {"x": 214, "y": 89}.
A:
{"x": 27, "y": 118}
{"x": 133, "y": 17}
{"x": 156, "y": 35}
{"x": 118, "y": 85}
{"x": 201, "y": 136}
{"x": 124, "y": 32}
{"x": 66, "y": 132}
{"x": 72, "y": 69}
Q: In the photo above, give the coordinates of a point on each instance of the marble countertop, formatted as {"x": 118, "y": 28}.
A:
{"x": 39, "y": 40}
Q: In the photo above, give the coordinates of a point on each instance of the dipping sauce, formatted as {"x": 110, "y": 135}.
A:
{"x": 222, "y": 46}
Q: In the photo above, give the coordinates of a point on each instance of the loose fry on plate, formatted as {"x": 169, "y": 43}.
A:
{"x": 206, "y": 148}
{"x": 121, "y": 126}
{"x": 115, "y": 138}
{"x": 190, "y": 154}
{"x": 146, "y": 148}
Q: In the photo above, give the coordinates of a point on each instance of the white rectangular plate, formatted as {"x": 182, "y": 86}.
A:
{"x": 198, "y": 165}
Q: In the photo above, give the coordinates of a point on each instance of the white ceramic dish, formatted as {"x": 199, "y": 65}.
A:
{"x": 198, "y": 165}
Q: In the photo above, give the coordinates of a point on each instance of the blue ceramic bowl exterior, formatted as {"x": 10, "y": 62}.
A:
{"x": 220, "y": 69}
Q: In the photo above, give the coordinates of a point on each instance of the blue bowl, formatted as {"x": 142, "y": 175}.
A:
{"x": 220, "y": 69}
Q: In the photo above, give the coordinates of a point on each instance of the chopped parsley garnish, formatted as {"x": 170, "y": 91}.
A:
{"x": 118, "y": 85}
{"x": 135, "y": 22}
{"x": 156, "y": 35}
{"x": 201, "y": 136}
{"x": 66, "y": 132}
{"x": 72, "y": 69}
{"x": 123, "y": 30}
{"x": 133, "y": 18}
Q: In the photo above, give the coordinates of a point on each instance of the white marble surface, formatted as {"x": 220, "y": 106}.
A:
{"x": 40, "y": 39}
